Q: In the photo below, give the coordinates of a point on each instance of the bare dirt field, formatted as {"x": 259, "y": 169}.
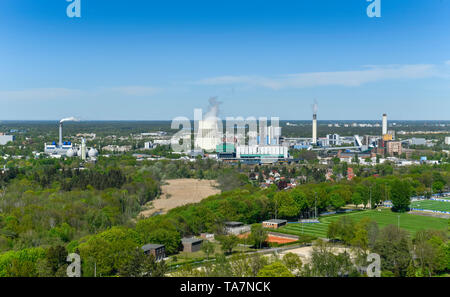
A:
{"x": 178, "y": 192}
{"x": 305, "y": 252}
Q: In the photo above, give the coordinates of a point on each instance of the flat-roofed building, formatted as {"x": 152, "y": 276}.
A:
{"x": 157, "y": 250}
{"x": 274, "y": 223}
{"x": 236, "y": 228}
{"x": 191, "y": 244}
{"x": 4, "y": 139}
{"x": 394, "y": 148}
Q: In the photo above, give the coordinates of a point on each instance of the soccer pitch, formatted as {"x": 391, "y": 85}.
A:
{"x": 409, "y": 222}
{"x": 431, "y": 205}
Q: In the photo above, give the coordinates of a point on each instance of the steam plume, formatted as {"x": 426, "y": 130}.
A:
{"x": 213, "y": 108}
{"x": 70, "y": 119}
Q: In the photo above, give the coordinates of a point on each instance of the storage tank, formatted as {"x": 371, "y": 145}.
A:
{"x": 71, "y": 153}
{"x": 92, "y": 153}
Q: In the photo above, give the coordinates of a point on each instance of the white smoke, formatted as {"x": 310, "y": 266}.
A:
{"x": 70, "y": 119}
{"x": 213, "y": 108}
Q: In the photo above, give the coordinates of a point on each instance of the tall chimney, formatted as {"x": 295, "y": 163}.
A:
{"x": 384, "y": 129}
{"x": 314, "y": 129}
{"x": 83, "y": 149}
{"x": 60, "y": 134}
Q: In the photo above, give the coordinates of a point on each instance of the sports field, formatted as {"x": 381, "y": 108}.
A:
{"x": 385, "y": 217}
{"x": 431, "y": 205}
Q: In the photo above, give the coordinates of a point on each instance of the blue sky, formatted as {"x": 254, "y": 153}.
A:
{"x": 155, "y": 60}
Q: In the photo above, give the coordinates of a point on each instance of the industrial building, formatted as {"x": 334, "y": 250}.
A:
{"x": 148, "y": 145}
{"x": 447, "y": 140}
{"x": 209, "y": 134}
{"x": 393, "y": 148}
{"x": 266, "y": 150}
{"x": 417, "y": 141}
{"x": 334, "y": 139}
{"x": 264, "y": 154}
{"x": 66, "y": 148}
{"x": 4, "y": 139}
{"x": 271, "y": 136}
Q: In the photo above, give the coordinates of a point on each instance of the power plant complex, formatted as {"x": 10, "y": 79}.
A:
{"x": 263, "y": 143}
{"x": 67, "y": 148}
{"x": 267, "y": 145}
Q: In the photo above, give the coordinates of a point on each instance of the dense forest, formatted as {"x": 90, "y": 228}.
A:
{"x": 53, "y": 207}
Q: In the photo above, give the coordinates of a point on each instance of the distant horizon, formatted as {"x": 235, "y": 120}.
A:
{"x": 281, "y": 120}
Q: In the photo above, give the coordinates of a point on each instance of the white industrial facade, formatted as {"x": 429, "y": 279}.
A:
{"x": 4, "y": 139}
{"x": 262, "y": 151}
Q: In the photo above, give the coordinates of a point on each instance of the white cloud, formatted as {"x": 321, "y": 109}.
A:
{"x": 38, "y": 94}
{"x": 63, "y": 93}
{"x": 136, "y": 90}
{"x": 337, "y": 78}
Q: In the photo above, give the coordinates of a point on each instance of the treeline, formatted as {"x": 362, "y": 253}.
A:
{"x": 71, "y": 204}
{"x": 112, "y": 249}
{"x": 426, "y": 254}
{"x": 97, "y": 222}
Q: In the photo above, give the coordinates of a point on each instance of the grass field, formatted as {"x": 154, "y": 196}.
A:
{"x": 431, "y": 205}
{"x": 385, "y": 217}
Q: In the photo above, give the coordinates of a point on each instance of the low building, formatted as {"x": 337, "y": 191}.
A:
{"x": 417, "y": 141}
{"x": 207, "y": 236}
{"x": 191, "y": 244}
{"x": 274, "y": 223}
{"x": 148, "y": 145}
{"x": 162, "y": 141}
{"x": 157, "y": 250}
{"x": 116, "y": 148}
{"x": 4, "y": 139}
{"x": 447, "y": 140}
{"x": 236, "y": 228}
